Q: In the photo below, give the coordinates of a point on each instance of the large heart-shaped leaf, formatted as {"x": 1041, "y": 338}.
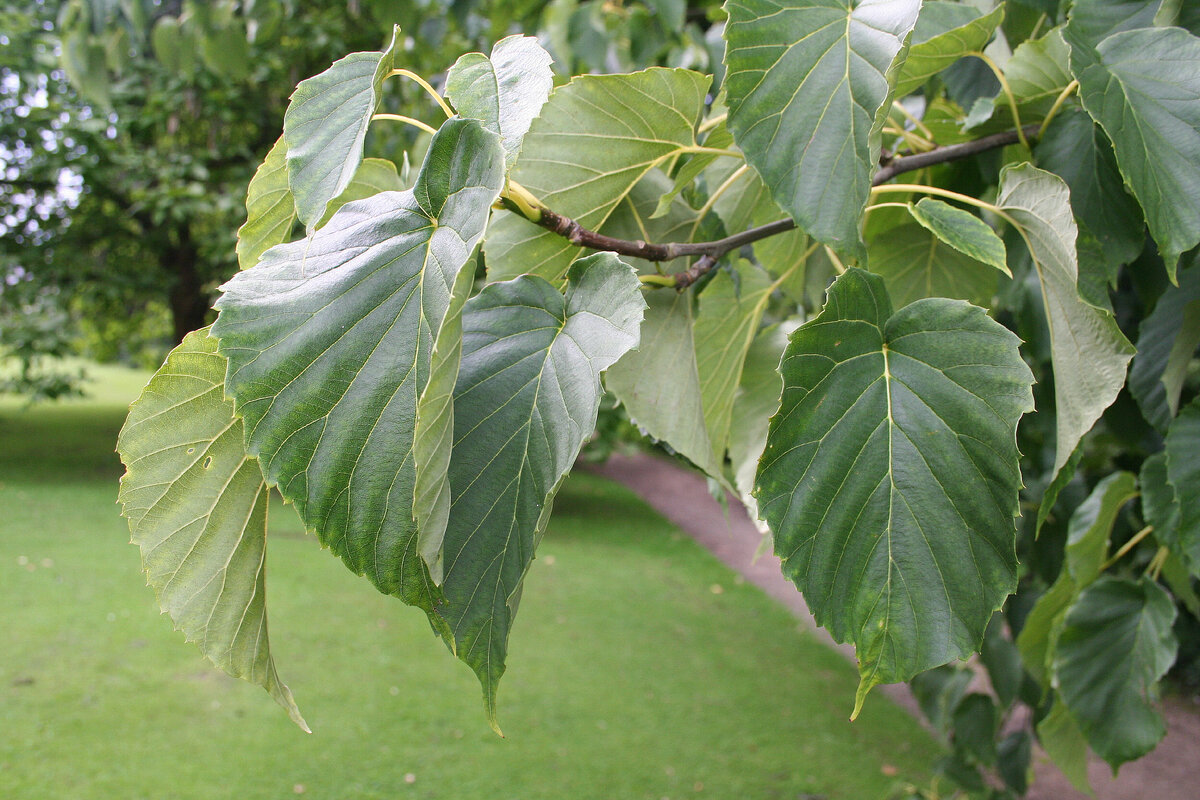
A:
{"x": 890, "y": 476}
{"x": 197, "y": 508}
{"x": 1088, "y": 350}
{"x": 325, "y": 127}
{"x": 944, "y": 33}
{"x": 1143, "y": 87}
{"x": 332, "y": 340}
{"x": 505, "y": 92}
{"x": 1167, "y": 340}
{"x": 1115, "y": 645}
{"x": 807, "y": 85}
{"x": 526, "y": 398}
{"x": 595, "y": 139}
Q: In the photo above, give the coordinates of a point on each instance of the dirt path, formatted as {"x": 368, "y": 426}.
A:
{"x": 1171, "y": 772}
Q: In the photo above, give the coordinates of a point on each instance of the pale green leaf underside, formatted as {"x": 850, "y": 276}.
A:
{"x": 505, "y": 92}
{"x": 756, "y": 401}
{"x": 807, "y": 86}
{"x": 270, "y": 209}
{"x": 197, "y": 509}
{"x": 330, "y": 343}
{"x": 325, "y": 127}
{"x": 890, "y": 476}
{"x": 596, "y": 138}
{"x": 944, "y": 33}
{"x": 1143, "y": 88}
{"x": 527, "y": 396}
{"x": 1088, "y": 351}
{"x": 1115, "y": 644}
{"x": 963, "y": 231}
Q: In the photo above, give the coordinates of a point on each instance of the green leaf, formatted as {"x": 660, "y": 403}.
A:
{"x": 331, "y": 340}
{"x": 1013, "y": 756}
{"x": 1116, "y": 644}
{"x": 596, "y": 138}
{"x": 325, "y": 127}
{"x": 1037, "y": 73}
{"x": 718, "y": 138}
{"x": 527, "y": 396}
{"x": 893, "y": 426}
{"x": 1095, "y": 20}
{"x": 1088, "y": 351}
{"x": 1062, "y": 740}
{"x": 1039, "y": 635}
{"x": 270, "y": 209}
{"x": 976, "y": 720}
{"x": 1183, "y": 474}
{"x": 1091, "y": 526}
{"x": 634, "y": 219}
{"x": 1143, "y": 88}
{"x": 756, "y": 401}
{"x": 1054, "y": 489}
{"x": 808, "y": 85}
{"x": 1076, "y": 150}
{"x": 963, "y": 231}
{"x": 944, "y": 33}
{"x": 504, "y": 92}
{"x": 197, "y": 508}
{"x": 659, "y": 383}
{"x": 1167, "y": 340}
{"x": 1160, "y": 509}
{"x": 938, "y": 691}
{"x": 374, "y": 175}
{"x": 915, "y": 264}
{"x": 1003, "y": 661}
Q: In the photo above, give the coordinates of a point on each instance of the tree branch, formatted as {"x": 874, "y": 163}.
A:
{"x": 711, "y": 252}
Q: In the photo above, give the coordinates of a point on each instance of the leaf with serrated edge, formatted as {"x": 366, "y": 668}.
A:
{"x": 505, "y": 92}
{"x": 890, "y": 476}
{"x": 807, "y": 85}
{"x": 330, "y": 342}
{"x": 1115, "y": 645}
{"x": 963, "y": 231}
{"x": 270, "y": 209}
{"x": 595, "y": 139}
{"x": 944, "y": 33}
{"x": 1143, "y": 88}
{"x": 325, "y": 126}
{"x": 527, "y": 396}
{"x": 1088, "y": 351}
{"x": 916, "y": 264}
{"x": 1167, "y": 340}
{"x": 197, "y": 508}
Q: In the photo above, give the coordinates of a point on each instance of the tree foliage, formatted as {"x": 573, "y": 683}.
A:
{"x": 942, "y": 208}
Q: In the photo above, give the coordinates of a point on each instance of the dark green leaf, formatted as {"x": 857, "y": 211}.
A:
{"x": 944, "y": 33}
{"x": 1183, "y": 474}
{"x": 938, "y": 692}
{"x": 1167, "y": 340}
{"x": 893, "y": 425}
{"x": 1014, "y": 753}
{"x": 808, "y": 84}
{"x": 963, "y": 231}
{"x": 1003, "y": 661}
{"x": 975, "y": 722}
{"x": 1040, "y": 634}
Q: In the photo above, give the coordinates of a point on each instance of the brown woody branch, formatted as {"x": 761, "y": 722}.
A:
{"x": 710, "y": 252}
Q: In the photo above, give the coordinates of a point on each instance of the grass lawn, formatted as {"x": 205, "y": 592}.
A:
{"x": 629, "y": 677}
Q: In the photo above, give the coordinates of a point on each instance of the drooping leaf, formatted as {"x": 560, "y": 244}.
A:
{"x": 1143, "y": 87}
{"x": 944, "y": 33}
{"x": 330, "y": 342}
{"x": 1183, "y": 475}
{"x": 894, "y": 425}
{"x": 374, "y": 175}
{"x": 1064, "y": 743}
{"x": 1167, "y": 340}
{"x": 527, "y": 396}
{"x": 807, "y": 85}
{"x": 915, "y": 264}
{"x": 1091, "y": 525}
{"x": 325, "y": 127}
{"x": 595, "y": 139}
{"x": 1088, "y": 351}
{"x": 963, "y": 231}
{"x": 506, "y": 91}
{"x": 1115, "y": 645}
{"x": 1076, "y": 150}
{"x": 270, "y": 209}
{"x": 197, "y": 508}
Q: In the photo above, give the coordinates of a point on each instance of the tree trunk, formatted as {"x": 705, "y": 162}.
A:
{"x": 189, "y": 304}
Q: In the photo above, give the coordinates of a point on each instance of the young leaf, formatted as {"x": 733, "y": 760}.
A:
{"x": 894, "y": 425}
{"x": 1167, "y": 340}
{"x": 1115, "y": 645}
{"x": 963, "y": 231}
{"x": 527, "y": 396}
{"x": 1143, "y": 87}
{"x": 270, "y": 209}
{"x": 916, "y": 264}
{"x": 944, "y": 33}
{"x": 197, "y": 508}
{"x": 329, "y": 341}
{"x": 505, "y": 92}
{"x": 1088, "y": 350}
{"x": 808, "y": 83}
{"x": 325, "y": 127}
{"x": 595, "y": 139}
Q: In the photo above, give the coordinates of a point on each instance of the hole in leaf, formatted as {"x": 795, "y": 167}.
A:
{"x": 191, "y": 450}
{"x": 207, "y": 462}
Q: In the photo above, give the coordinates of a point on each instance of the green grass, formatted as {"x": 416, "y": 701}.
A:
{"x": 628, "y": 676}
